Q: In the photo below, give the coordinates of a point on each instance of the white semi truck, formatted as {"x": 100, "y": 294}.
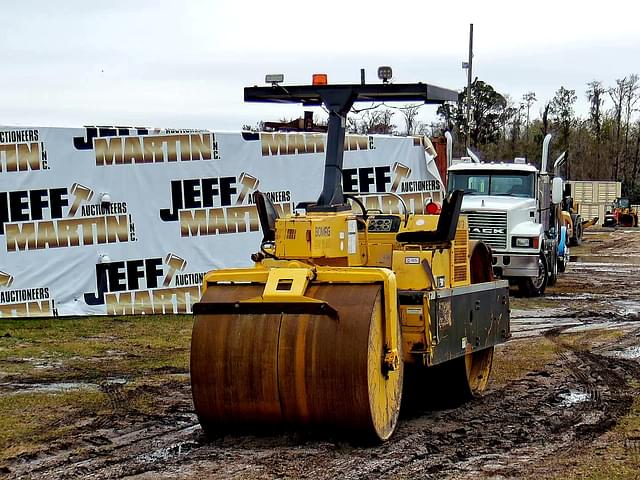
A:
{"x": 514, "y": 208}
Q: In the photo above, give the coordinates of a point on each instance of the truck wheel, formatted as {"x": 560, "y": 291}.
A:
{"x": 534, "y": 287}
{"x": 562, "y": 263}
{"x": 577, "y": 233}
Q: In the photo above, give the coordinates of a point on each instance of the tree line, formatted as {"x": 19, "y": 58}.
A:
{"x": 604, "y": 145}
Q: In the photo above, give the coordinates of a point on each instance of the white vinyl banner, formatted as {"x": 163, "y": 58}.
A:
{"x": 116, "y": 220}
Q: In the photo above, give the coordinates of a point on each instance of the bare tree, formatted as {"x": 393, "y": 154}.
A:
{"x": 529, "y": 98}
{"x": 562, "y": 110}
{"x": 594, "y": 95}
{"x": 410, "y": 117}
{"x": 617, "y": 95}
{"x": 636, "y": 156}
{"x": 630, "y": 101}
{"x": 373, "y": 121}
{"x": 544, "y": 113}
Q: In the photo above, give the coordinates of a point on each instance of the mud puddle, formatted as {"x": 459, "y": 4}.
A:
{"x": 9, "y": 388}
{"x": 631, "y": 353}
{"x": 55, "y": 387}
{"x": 605, "y": 259}
{"x": 573, "y": 397}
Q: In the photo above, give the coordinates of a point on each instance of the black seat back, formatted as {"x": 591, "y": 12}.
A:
{"x": 267, "y": 214}
{"x": 448, "y": 221}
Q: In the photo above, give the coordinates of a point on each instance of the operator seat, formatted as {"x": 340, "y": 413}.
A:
{"x": 267, "y": 214}
{"x": 447, "y": 223}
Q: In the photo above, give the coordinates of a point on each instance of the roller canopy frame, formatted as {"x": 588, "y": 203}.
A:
{"x": 338, "y": 100}
{"x": 316, "y": 95}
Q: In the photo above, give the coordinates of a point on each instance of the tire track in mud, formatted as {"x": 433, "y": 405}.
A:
{"x": 506, "y": 432}
{"x": 106, "y": 444}
{"x": 108, "y": 459}
{"x": 605, "y": 378}
{"x": 518, "y": 424}
{"x": 552, "y": 411}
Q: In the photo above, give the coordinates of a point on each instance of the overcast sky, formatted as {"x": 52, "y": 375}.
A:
{"x": 184, "y": 63}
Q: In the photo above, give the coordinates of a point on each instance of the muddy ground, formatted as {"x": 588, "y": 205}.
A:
{"x": 563, "y": 401}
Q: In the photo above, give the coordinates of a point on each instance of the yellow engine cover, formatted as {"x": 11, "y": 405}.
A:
{"x": 411, "y": 274}
{"x": 322, "y": 236}
{"x": 425, "y": 267}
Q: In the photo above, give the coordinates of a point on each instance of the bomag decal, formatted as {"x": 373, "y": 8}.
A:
{"x": 218, "y": 205}
{"x": 61, "y": 217}
{"x": 298, "y": 143}
{"x": 24, "y": 302}
{"x": 323, "y": 231}
{"x": 144, "y": 286}
{"x": 20, "y": 151}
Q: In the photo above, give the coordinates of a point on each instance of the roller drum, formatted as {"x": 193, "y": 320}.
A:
{"x": 302, "y": 370}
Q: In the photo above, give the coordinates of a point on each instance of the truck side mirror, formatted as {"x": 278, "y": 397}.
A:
{"x": 556, "y": 190}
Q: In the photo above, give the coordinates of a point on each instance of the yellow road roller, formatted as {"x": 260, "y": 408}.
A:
{"x": 346, "y": 309}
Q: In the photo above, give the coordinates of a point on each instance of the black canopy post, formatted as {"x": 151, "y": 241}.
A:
{"x": 339, "y": 99}
{"x": 338, "y": 103}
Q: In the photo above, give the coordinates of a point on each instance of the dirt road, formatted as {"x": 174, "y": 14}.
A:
{"x": 562, "y": 403}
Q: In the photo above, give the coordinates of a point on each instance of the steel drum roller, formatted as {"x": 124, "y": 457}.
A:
{"x": 300, "y": 370}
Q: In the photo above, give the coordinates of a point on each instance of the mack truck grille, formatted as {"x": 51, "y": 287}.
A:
{"x": 490, "y": 227}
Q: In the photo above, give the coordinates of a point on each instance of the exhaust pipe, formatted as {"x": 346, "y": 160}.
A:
{"x": 545, "y": 153}
{"x": 558, "y": 163}
{"x": 473, "y": 156}
{"x": 449, "y": 148}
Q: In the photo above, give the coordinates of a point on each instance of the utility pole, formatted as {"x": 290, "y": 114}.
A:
{"x": 469, "y": 73}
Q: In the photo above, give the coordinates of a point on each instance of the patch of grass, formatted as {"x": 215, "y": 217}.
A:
{"x": 30, "y": 420}
{"x": 151, "y": 352}
{"x": 630, "y": 424}
{"x": 92, "y": 347}
{"x": 519, "y": 357}
{"x": 589, "y": 339}
{"x": 144, "y": 403}
{"x": 521, "y": 303}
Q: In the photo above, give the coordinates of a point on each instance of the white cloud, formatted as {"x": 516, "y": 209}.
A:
{"x": 185, "y": 63}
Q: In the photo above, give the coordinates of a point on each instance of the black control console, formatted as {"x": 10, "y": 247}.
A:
{"x": 384, "y": 223}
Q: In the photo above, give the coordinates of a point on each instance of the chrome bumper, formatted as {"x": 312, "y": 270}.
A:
{"x": 517, "y": 265}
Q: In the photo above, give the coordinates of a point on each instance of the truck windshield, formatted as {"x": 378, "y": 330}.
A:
{"x": 512, "y": 184}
